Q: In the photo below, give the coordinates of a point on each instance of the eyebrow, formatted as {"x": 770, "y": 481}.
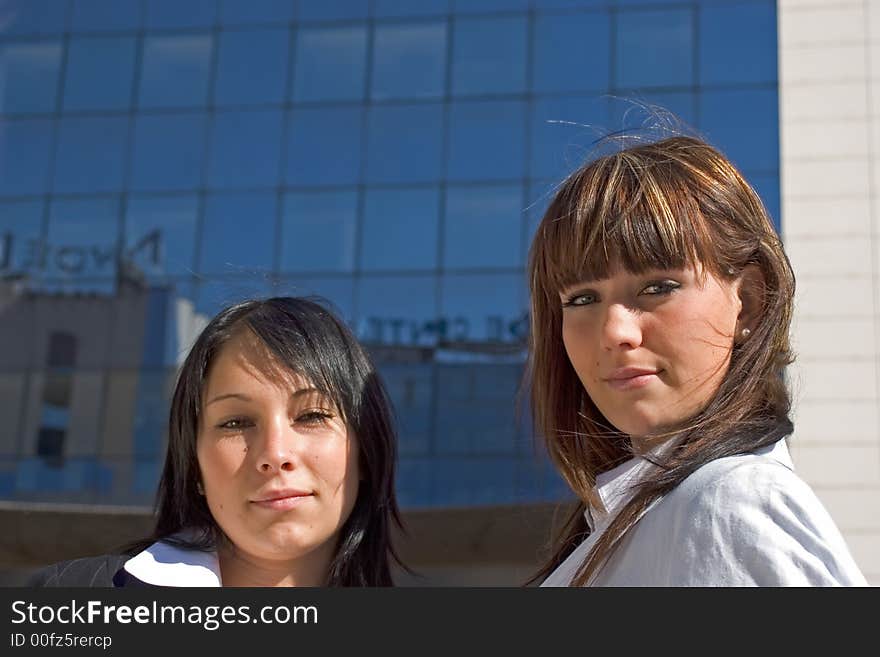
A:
{"x": 243, "y": 397}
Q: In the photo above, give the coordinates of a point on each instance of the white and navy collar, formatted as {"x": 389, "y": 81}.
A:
{"x": 164, "y": 564}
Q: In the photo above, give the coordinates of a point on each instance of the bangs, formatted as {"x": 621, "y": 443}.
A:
{"x": 628, "y": 211}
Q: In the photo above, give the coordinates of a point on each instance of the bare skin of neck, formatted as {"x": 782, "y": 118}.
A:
{"x": 240, "y": 569}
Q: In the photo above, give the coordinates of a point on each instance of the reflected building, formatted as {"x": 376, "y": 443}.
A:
{"x": 160, "y": 159}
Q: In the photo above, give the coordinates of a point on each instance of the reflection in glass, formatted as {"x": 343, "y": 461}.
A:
{"x": 752, "y": 140}
{"x": 160, "y": 234}
{"x": 405, "y": 143}
{"x": 92, "y": 15}
{"x": 330, "y": 63}
{"x": 320, "y": 10}
{"x": 655, "y": 48}
{"x": 409, "y": 60}
{"x": 572, "y": 52}
{"x": 238, "y": 234}
{"x": 486, "y": 140}
{"x": 251, "y": 67}
{"x": 563, "y": 133}
{"x": 485, "y": 307}
{"x": 394, "y": 8}
{"x": 162, "y": 14}
{"x": 91, "y": 154}
{"x": 214, "y": 295}
{"x": 168, "y": 152}
{"x": 29, "y": 76}
{"x": 21, "y": 224}
{"x": 318, "y": 231}
{"x": 400, "y": 229}
{"x": 411, "y": 388}
{"x": 33, "y": 17}
{"x": 245, "y": 149}
{"x": 100, "y": 73}
{"x": 324, "y": 146}
{"x": 255, "y": 11}
{"x": 489, "y": 55}
{"x": 24, "y": 156}
{"x": 467, "y": 481}
{"x": 723, "y": 59}
{"x": 399, "y": 310}
{"x": 83, "y": 238}
{"x": 479, "y": 6}
{"x": 175, "y": 71}
{"x": 483, "y": 226}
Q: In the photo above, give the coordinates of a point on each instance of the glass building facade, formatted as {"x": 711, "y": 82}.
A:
{"x": 160, "y": 159}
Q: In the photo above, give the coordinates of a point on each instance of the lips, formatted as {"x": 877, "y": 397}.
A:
{"x": 281, "y": 499}
{"x": 631, "y": 378}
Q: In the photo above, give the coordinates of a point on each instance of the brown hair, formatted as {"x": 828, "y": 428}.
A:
{"x": 674, "y": 203}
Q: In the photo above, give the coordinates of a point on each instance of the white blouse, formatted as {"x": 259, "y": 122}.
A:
{"x": 745, "y": 520}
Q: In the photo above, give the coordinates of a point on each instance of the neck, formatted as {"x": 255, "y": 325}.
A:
{"x": 240, "y": 569}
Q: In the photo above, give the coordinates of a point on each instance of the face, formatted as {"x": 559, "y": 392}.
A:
{"x": 279, "y": 467}
{"x": 650, "y": 349}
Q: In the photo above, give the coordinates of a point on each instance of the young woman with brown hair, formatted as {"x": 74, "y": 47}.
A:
{"x": 661, "y": 304}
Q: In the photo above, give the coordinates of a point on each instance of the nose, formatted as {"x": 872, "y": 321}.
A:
{"x": 277, "y": 448}
{"x": 621, "y": 328}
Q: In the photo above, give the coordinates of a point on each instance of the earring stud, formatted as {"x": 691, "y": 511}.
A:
{"x": 746, "y": 332}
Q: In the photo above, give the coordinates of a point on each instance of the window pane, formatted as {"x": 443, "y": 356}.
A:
{"x": 91, "y": 153}
{"x": 251, "y": 67}
{"x": 338, "y": 9}
{"x": 572, "y": 52}
{"x": 318, "y": 231}
{"x": 405, "y": 143}
{"x": 245, "y": 149}
{"x": 255, "y": 11}
{"x": 175, "y": 71}
{"x": 409, "y": 60}
{"x": 400, "y": 229}
{"x": 655, "y": 48}
{"x": 569, "y": 4}
{"x": 34, "y": 17}
{"x": 483, "y": 226}
{"x": 484, "y": 307}
{"x": 725, "y": 56}
{"x": 21, "y": 227}
{"x": 168, "y": 152}
{"x": 489, "y": 55}
{"x": 29, "y": 76}
{"x": 330, "y": 63}
{"x": 215, "y": 295}
{"x": 767, "y": 186}
{"x": 398, "y": 310}
{"x": 389, "y": 8}
{"x": 411, "y": 388}
{"x": 161, "y": 14}
{"x": 100, "y": 73}
{"x": 160, "y": 235}
{"x": 238, "y": 234}
{"x": 479, "y": 6}
{"x": 563, "y": 133}
{"x": 486, "y": 140}
{"x": 83, "y": 237}
{"x": 752, "y": 140}
{"x": 24, "y": 156}
{"x": 92, "y": 15}
{"x": 324, "y": 146}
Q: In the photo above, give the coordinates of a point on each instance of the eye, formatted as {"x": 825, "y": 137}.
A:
{"x": 236, "y": 424}
{"x": 660, "y": 288}
{"x": 314, "y": 417}
{"x": 580, "y": 299}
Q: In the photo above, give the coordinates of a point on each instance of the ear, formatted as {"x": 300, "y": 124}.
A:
{"x": 751, "y": 295}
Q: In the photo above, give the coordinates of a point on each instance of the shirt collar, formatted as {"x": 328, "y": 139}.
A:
{"x": 617, "y": 486}
{"x": 164, "y": 564}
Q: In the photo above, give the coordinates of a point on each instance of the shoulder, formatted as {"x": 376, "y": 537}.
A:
{"x": 95, "y": 571}
{"x": 750, "y": 519}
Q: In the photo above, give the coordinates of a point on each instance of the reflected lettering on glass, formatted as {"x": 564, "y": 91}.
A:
{"x": 442, "y": 330}
{"x": 95, "y": 259}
